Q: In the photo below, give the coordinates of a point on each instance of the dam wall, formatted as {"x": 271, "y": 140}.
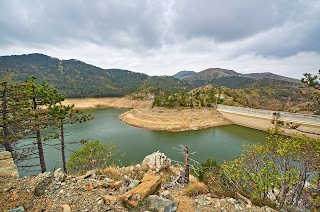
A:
{"x": 262, "y": 120}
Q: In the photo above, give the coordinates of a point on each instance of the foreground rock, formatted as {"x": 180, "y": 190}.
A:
{"x": 162, "y": 204}
{"x": 157, "y": 161}
{"x": 7, "y": 166}
{"x": 150, "y": 184}
{"x": 174, "y": 120}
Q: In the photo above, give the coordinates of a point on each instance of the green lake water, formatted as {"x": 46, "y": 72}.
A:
{"x": 219, "y": 143}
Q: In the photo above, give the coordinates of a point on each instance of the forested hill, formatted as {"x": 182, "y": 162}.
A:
{"x": 78, "y": 79}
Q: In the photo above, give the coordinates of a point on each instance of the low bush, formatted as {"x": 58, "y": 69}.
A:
{"x": 93, "y": 155}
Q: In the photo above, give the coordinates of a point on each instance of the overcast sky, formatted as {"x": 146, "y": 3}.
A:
{"x": 167, "y": 36}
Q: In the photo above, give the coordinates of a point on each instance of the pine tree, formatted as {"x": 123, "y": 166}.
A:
{"x": 13, "y": 118}
{"x": 313, "y": 82}
{"x": 6, "y": 141}
{"x": 62, "y": 115}
{"x": 41, "y": 96}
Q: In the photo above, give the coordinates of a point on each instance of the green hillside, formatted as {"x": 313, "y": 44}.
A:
{"x": 78, "y": 79}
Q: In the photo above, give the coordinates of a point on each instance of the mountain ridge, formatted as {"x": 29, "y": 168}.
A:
{"x": 215, "y": 73}
{"x": 76, "y": 78}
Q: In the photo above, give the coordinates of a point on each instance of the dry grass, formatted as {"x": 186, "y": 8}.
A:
{"x": 111, "y": 172}
{"x": 133, "y": 172}
{"x": 195, "y": 188}
{"x": 167, "y": 174}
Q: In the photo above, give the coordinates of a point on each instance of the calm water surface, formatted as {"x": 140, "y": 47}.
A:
{"x": 219, "y": 143}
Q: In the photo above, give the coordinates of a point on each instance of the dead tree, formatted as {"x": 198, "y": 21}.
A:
{"x": 184, "y": 175}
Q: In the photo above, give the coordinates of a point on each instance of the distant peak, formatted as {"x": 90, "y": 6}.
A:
{"x": 184, "y": 74}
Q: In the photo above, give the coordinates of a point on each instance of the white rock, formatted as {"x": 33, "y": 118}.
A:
{"x": 58, "y": 174}
{"x": 157, "y": 161}
{"x": 232, "y": 201}
{"x": 238, "y": 207}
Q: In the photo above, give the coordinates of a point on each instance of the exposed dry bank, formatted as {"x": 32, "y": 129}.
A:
{"x": 159, "y": 119}
{"x": 174, "y": 120}
{"x": 88, "y": 103}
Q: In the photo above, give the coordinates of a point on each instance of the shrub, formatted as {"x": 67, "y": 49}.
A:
{"x": 278, "y": 170}
{"x": 93, "y": 155}
{"x": 207, "y": 168}
{"x": 211, "y": 174}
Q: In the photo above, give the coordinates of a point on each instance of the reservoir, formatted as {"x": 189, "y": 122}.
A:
{"x": 219, "y": 143}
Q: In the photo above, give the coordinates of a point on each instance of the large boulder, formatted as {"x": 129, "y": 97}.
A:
{"x": 150, "y": 184}
{"x": 157, "y": 161}
{"x": 162, "y": 204}
{"x": 7, "y": 166}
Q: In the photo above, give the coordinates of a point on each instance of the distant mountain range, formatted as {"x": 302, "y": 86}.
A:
{"x": 78, "y": 79}
{"x": 227, "y": 78}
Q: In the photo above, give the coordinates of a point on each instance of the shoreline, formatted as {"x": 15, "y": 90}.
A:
{"x": 174, "y": 120}
{"x": 106, "y": 102}
{"x": 156, "y": 119}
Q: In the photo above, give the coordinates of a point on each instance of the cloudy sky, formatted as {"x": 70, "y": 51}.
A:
{"x": 167, "y": 36}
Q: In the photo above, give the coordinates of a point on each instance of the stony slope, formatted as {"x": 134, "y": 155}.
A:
{"x": 136, "y": 188}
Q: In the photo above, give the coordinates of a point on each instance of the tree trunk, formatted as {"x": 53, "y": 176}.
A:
{"x": 186, "y": 170}
{"x": 6, "y": 132}
{"x": 8, "y": 147}
{"x": 41, "y": 154}
{"x": 63, "y": 149}
{"x": 38, "y": 133}
{"x": 299, "y": 188}
{"x": 184, "y": 175}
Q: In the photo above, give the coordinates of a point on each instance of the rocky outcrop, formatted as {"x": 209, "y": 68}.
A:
{"x": 157, "y": 161}
{"x": 162, "y": 204}
{"x": 95, "y": 191}
{"x": 150, "y": 184}
{"x": 7, "y": 166}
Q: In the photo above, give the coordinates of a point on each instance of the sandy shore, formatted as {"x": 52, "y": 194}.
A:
{"x": 174, "y": 120}
{"x": 88, "y": 103}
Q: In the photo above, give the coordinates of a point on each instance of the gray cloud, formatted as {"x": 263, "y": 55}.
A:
{"x": 117, "y": 23}
{"x": 292, "y": 26}
{"x": 229, "y": 20}
{"x": 203, "y": 32}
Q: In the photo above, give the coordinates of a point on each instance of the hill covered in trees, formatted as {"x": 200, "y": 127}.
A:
{"x": 269, "y": 95}
{"x": 78, "y": 79}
